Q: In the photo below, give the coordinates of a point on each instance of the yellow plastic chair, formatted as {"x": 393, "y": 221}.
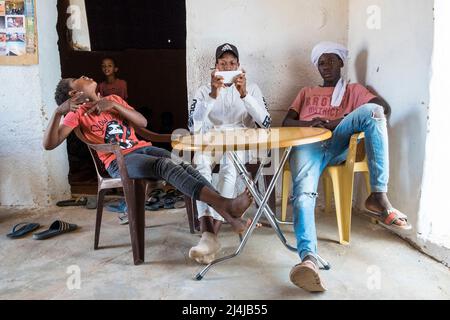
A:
{"x": 338, "y": 178}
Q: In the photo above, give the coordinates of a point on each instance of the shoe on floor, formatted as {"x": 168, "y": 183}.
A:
{"x": 180, "y": 203}
{"x": 204, "y": 252}
{"x": 306, "y": 276}
{"x": 56, "y": 228}
{"x": 91, "y": 202}
{"x": 123, "y": 218}
{"x": 120, "y": 207}
{"x": 78, "y": 202}
{"x": 22, "y": 229}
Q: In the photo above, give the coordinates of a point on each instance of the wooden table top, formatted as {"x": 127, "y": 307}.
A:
{"x": 251, "y": 139}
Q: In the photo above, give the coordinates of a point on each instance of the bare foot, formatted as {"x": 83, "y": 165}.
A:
{"x": 378, "y": 202}
{"x": 233, "y": 210}
{"x": 240, "y": 204}
{"x": 240, "y": 225}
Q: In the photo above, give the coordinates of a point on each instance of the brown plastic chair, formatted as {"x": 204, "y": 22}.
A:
{"x": 134, "y": 190}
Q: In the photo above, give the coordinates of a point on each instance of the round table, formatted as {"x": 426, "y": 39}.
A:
{"x": 248, "y": 139}
{"x": 232, "y": 140}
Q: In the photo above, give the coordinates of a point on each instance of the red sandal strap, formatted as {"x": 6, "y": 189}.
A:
{"x": 393, "y": 215}
{"x": 399, "y": 214}
{"x": 391, "y": 218}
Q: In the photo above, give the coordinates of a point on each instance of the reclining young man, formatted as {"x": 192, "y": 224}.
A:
{"x": 344, "y": 109}
{"x": 111, "y": 120}
{"x": 220, "y": 106}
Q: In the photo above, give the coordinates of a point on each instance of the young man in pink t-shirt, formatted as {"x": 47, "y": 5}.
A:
{"x": 111, "y": 120}
{"x": 344, "y": 109}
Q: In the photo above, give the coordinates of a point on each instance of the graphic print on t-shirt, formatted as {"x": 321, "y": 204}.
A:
{"x": 321, "y": 106}
{"x": 117, "y": 133}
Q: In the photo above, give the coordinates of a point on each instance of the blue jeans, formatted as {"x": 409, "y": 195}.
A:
{"x": 307, "y": 163}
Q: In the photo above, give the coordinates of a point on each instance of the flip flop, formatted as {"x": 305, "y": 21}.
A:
{"x": 56, "y": 228}
{"x": 173, "y": 192}
{"x": 169, "y": 202}
{"x": 151, "y": 201}
{"x": 91, "y": 202}
{"x": 79, "y": 202}
{"x": 155, "y": 195}
{"x": 388, "y": 218}
{"x": 180, "y": 203}
{"x": 118, "y": 207}
{"x": 155, "y": 206}
{"x": 123, "y": 218}
{"x": 25, "y": 228}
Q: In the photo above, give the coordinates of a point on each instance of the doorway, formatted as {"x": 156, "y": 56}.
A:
{"x": 147, "y": 40}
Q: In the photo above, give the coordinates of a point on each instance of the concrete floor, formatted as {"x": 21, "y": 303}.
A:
{"x": 377, "y": 264}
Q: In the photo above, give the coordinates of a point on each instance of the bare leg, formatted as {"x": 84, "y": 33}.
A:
{"x": 230, "y": 209}
{"x": 209, "y": 224}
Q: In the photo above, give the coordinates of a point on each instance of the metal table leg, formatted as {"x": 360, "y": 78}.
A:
{"x": 259, "y": 198}
{"x": 274, "y": 222}
{"x": 263, "y": 209}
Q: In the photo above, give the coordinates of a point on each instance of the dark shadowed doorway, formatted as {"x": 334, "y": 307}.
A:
{"x": 147, "y": 39}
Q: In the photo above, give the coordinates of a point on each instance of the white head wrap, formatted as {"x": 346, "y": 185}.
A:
{"x": 342, "y": 52}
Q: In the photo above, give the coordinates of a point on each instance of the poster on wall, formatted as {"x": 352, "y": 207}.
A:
{"x": 18, "y": 37}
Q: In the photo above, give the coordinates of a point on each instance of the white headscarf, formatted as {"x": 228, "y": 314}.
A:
{"x": 342, "y": 52}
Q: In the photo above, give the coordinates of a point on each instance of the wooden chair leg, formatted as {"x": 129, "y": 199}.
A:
{"x": 98, "y": 219}
{"x": 135, "y": 197}
{"x": 190, "y": 214}
{"x": 195, "y": 215}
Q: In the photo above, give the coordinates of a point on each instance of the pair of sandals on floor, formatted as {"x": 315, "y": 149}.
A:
{"x": 158, "y": 199}
{"x": 56, "y": 228}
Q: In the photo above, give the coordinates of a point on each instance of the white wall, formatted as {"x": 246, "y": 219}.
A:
{"x": 274, "y": 39}
{"x": 79, "y": 25}
{"x": 31, "y": 177}
{"x": 396, "y": 61}
{"x": 434, "y": 220}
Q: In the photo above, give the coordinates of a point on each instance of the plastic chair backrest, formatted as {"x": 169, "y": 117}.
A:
{"x": 99, "y": 166}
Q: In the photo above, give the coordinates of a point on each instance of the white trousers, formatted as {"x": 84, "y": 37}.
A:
{"x": 226, "y": 185}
